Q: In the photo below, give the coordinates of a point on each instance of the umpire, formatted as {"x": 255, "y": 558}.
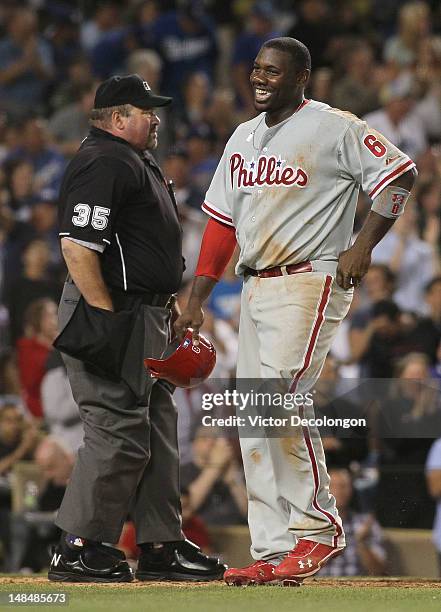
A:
{"x": 121, "y": 240}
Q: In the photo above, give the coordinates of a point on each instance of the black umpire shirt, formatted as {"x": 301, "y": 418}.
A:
{"x": 114, "y": 196}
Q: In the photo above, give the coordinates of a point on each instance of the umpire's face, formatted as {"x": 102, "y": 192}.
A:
{"x": 141, "y": 128}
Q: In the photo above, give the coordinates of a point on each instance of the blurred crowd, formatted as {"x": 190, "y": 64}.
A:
{"x": 378, "y": 59}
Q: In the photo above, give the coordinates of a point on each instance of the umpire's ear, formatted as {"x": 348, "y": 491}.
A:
{"x": 97, "y": 337}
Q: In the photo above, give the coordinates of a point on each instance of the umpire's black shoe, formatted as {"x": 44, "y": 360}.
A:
{"x": 93, "y": 564}
{"x": 178, "y": 561}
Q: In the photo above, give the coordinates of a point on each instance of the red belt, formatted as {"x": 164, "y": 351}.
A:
{"x": 305, "y": 266}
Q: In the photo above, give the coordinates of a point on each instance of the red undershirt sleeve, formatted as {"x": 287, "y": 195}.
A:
{"x": 218, "y": 243}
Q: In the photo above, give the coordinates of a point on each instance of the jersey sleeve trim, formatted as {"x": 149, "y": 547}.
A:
{"x": 390, "y": 177}
{"x": 64, "y": 234}
{"x": 93, "y": 246}
{"x": 217, "y": 214}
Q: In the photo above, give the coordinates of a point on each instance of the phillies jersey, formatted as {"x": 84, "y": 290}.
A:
{"x": 291, "y": 190}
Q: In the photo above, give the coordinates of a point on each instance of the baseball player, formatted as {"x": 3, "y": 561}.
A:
{"x": 286, "y": 190}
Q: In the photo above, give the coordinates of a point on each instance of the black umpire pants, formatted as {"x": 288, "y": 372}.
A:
{"x": 129, "y": 459}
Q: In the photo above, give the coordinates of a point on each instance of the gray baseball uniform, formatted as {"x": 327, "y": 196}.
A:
{"x": 291, "y": 192}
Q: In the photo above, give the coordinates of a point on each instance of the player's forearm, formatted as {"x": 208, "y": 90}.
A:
{"x": 354, "y": 263}
{"x": 376, "y": 226}
{"x": 374, "y": 229}
{"x": 201, "y": 289}
{"x": 84, "y": 267}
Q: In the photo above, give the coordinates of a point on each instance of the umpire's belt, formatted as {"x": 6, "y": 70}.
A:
{"x": 305, "y": 266}
{"x": 163, "y": 300}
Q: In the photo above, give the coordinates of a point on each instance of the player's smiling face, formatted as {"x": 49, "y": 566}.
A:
{"x": 277, "y": 85}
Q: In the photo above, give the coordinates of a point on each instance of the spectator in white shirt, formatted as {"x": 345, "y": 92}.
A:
{"x": 412, "y": 261}
{"x": 397, "y": 120}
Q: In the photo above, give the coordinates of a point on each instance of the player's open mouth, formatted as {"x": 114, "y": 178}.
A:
{"x": 261, "y": 95}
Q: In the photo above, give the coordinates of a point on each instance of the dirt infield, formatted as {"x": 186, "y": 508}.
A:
{"x": 403, "y": 583}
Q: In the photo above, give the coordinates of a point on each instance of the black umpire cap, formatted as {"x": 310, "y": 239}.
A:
{"x": 131, "y": 89}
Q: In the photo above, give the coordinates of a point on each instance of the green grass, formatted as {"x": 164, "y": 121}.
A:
{"x": 218, "y": 598}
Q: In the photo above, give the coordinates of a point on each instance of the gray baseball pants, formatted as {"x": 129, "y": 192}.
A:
{"x": 129, "y": 459}
{"x": 287, "y": 325}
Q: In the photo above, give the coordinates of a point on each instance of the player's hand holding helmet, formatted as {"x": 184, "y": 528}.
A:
{"x": 192, "y": 317}
{"x": 188, "y": 365}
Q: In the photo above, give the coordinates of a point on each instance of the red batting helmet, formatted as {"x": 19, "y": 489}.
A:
{"x": 189, "y": 365}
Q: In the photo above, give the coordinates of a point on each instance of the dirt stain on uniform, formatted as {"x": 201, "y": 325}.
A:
{"x": 310, "y": 524}
{"x": 255, "y": 456}
{"x": 289, "y": 446}
{"x": 275, "y": 252}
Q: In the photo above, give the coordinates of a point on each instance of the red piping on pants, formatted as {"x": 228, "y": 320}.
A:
{"x": 306, "y": 363}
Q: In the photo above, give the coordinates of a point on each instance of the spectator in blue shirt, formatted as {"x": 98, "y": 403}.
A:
{"x": 63, "y": 36}
{"x": 26, "y": 64}
{"x": 261, "y": 29}
{"x": 203, "y": 160}
{"x": 107, "y": 39}
{"x": 106, "y": 18}
{"x": 186, "y": 41}
{"x": 109, "y": 55}
{"x": 145, "y": 18}
{"x": 48, "y": 164}
{"x": 19, "y": 183}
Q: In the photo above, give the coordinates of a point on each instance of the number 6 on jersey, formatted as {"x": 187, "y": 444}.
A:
{"x": 376, "y": 147}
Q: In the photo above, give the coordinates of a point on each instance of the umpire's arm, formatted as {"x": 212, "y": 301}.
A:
{"x": 84, "y": 267}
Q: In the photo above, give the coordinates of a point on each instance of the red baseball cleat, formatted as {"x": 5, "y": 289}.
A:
{"x": 259, "y": 572}
{"x": 304, "y": 560}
